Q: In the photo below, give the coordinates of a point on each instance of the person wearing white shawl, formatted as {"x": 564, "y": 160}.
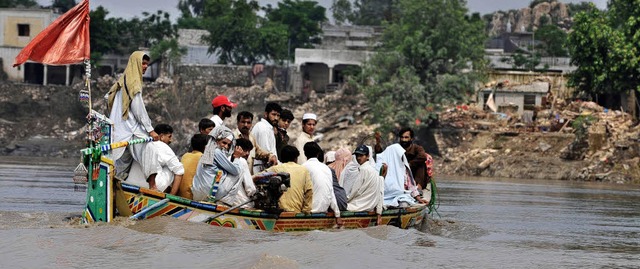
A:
{"x": 397, "y": 177}
{"x": 350, "y": 172}
{"x": 220, "y": 154}
{"x": 366, "y": 192}
{"x": 239, "y": 189}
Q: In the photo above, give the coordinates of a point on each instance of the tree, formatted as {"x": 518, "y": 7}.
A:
{"x": 431, "y": 55}
{"x": 104, "y": 38}
{"x": 303, "y": 20}
{"x": 603, "y": 46}
{"x": 17, "y": 3}
{"x": 553, "y": 41}
{"x": 342, "y": 11}
{"x": 191, "y": 14}
{"x": 239, "y": 36}
{"x": 63, "y": 5}
{"x": 373, "y": 12}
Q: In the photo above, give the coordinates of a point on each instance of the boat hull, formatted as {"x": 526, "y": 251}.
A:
{"x": 138, "y": 198}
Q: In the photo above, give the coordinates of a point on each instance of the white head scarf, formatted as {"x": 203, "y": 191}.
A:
{"x": 219, "y": 132}
{"x": 397, "y": 166}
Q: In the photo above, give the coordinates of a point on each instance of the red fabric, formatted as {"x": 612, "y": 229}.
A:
{"x": 65, "y": 41}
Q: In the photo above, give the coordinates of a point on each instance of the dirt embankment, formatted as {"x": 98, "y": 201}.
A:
{"x": 569, "y": 141}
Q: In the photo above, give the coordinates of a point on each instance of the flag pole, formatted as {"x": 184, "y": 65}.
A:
{"x": 87, "y": 82}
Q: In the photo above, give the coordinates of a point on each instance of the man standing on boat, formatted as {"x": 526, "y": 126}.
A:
{"x": 244, "y": 122}
{"x": 282, "y": 138}
{"x": 221, "y": 109}
{"x": 131, "y": 121}
{"x": 265, "y": 134}
{"x": 416, "y": 157}
{"x": 309, "y": 121}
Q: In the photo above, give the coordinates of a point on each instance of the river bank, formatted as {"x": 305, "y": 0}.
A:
{"x": 589, "y": 145}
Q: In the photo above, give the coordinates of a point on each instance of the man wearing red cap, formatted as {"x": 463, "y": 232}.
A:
{"x": 221, "y": 109}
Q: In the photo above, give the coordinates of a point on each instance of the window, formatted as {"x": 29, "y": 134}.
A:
{"x": 23, "y": 30}
{"x": 529, "y": 101}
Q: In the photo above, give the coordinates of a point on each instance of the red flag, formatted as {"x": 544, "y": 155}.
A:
{"x": 65, "y": 41}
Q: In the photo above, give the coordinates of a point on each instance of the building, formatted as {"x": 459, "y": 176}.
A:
{"x": 518, "y": 97}
{"x": 18, "y": 26}
{"x": 197, "y": 50}
{"x": 343, "y": 49}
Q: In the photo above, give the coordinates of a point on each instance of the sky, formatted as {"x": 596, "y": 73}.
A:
{"x": 130, "y": 8}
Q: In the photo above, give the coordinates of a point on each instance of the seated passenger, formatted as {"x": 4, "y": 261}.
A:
{"x": 367, "y": 191}
{"x": 341, "y": 158}
{"x": 190, "y": 162}
{"x": 299, "y": 197}
{"x": 239, "y": 189}
{"x": 205, "y": 126}
{"x": 399, "y": 186}
{"x": 322, "y": 181}
{"x": 351, "y": 170}
{"x": 169, "y": 170}
{"x": 216, "y": 164}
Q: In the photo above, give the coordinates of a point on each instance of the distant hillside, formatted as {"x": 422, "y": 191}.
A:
{"x": 528, "y": 19}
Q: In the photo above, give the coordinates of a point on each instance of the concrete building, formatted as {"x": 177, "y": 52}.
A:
{"x": 197, "y": 50}
{"x": 343, "y": 50}
{"x": 520, "y": 97}
{"x": 18, "y": 26}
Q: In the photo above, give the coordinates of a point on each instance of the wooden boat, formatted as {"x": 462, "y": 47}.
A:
{"x": 108, "y": 197}
{"x": 138, "y": 198}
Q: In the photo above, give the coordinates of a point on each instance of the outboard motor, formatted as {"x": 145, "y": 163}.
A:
{"x": 270, "y": 186}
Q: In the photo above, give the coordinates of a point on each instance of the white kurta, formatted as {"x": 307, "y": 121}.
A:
{"x": 367, "y": 190}
{"x": 169, "y": 163}
{"x": 205, "y": 174}
{"x": 137, "y": 125}
{"x": 266, "y": 139}
{"x": 300, "y": 141}
{"x": 241, "y": 188}
{"x": 217, "y": 120}
{"x": 322, "y": 180}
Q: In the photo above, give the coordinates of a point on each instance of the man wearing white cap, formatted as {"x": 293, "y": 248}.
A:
{"x": 309, "y": 121}
{"x": 221, "y": 109}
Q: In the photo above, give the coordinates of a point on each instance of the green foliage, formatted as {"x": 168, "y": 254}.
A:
{"x": 120, "y": 36}
{"x": 190, "y": 10}
{"x": 63, "y": 5}
{"x": 233, "y": 30}
{"x": 581, "y": 125}
{"x": 239, "y": 36}
{"x": 603, "y": 44}
{"x": 342, "y": 11}
{"x": 430, "y": 57}
{"x": 17, "y": 3}
{"x": 553, "y": 41}
{"x": 303, "y": 20}
{"x": 374, "y": 12}
{"x": 575, "y": 8}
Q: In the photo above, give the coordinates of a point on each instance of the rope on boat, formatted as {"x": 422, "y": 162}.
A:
{"x": 434, "y": 203}
{"x": 115, "y": 145}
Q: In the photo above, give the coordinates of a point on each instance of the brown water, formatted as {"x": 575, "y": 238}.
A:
{"x": 483, "y": 223}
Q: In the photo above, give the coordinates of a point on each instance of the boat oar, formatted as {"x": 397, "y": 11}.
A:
{"x": 226, "y": 211}
{"x": 149, "y": 208}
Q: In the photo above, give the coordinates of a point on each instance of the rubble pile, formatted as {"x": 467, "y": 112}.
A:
{"x": 600, "y": 144}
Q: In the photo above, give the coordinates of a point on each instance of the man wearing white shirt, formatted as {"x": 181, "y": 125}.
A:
{"x": 309, "y": 121}
{"x": 264, "y": 133}
{"x": 221, "y": 109}
{"x": 170, "y": 169}
{"x": 323, "y": 195}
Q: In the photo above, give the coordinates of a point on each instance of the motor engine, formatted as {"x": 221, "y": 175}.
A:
{"x": 270, "y": 186}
